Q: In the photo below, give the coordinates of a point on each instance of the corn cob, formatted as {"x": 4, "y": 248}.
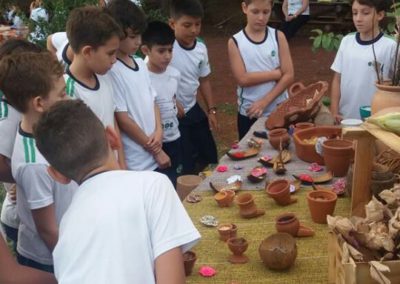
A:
{"x": 389, "y": 121}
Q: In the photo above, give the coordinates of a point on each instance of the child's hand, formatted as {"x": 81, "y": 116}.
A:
{"x": 181, "y": 110}
{"x": 337, "y": 118}
{"x": 289, "y": 18}
{"x": 256, "y": 109}
{"x": 162, "y": 160}
{"x": 12, "y": 193}
{"x": 155, "y": 143}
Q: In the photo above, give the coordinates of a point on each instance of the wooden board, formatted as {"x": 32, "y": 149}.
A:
{"x": 390, "y": 139}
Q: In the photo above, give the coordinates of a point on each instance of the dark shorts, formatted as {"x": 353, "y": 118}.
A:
{"x": 174, "y": 151}
{"x": 244, "y": 124}
{"x": 12, "y": 235}
{"x": 31, "y": 263}
{"x": 198, "y": 145}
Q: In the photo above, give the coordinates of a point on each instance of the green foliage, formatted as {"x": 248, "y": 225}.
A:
{"x": 153, "y": 12}
{"x": 326, "y": 40}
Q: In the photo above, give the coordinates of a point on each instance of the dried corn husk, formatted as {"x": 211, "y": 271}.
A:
{"x": 388, "y": 196}
{"x": 394, "y": 225}
{"x": 376, "y": 270}
{"x": 340, "y": 224}
{"x": 378, "y": 237}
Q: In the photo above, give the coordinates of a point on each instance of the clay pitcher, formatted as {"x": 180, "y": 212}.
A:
{"x": 276, "y": 136}
{"x": 385, "y": 96}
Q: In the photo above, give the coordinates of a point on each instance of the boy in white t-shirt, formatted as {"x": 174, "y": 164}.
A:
{"x": 138, "y": 235}
{"x": 157, "y": 46}
{"x": 94, "y": 38}
{"x": 191, "y": 59}
{"x": 32, "y": 82}
{"x": 353, "y": 83}
{"x": 137, "y": 114}
{"x": 9, "y": 120}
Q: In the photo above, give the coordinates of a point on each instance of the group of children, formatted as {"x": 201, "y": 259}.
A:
{"x": 73, "y": 119}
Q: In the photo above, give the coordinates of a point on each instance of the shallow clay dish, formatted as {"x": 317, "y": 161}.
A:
{"x": 235, "y": 186}
{"x": 241, "y": 155}
{"x": 316, "y": 179}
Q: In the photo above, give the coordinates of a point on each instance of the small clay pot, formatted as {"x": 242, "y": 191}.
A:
{"x": 233, "y": 232}
{"x": 287, "y": 223}
{"x": 278, "y": 251}
{"x": 224, "y": 231}
{"x": 186, "y": 183}
{"x": 321, "y": 203}
{"x": 238, "y": 246}
{"x": 275, "y": 137}
{"x": 338, "y": 153}
{"x": 189, "y": 258}
{"x": 225, "y": 198}
{"x": 247, "y": 207}
{"x": 279, "y": 190}
{"x": 302, "y": 125}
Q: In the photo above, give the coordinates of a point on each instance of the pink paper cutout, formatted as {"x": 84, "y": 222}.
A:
{"x": 207, "y": 271}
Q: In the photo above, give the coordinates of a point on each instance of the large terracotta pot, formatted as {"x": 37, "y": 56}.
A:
{"x": 278, "y": 251}
{"x": 385, "y": 96}
{"x": 321, "y": 203}
{"x": 338, "y": 154}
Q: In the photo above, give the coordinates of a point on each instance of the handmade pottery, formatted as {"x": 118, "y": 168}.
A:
{"x": 224, "y": 231}
{"x": 288, "y": 223}
{"x": 302, "y": 125}
{"x": 225, "y": 198}
{"x": 338, "y": 154}
{"x": 237, "y": 246}
{"x": 189, "y": 258}
{"x": 280, "y": 192}
{"x": 283, "y": 156}
{"x": 307, "y": 179}
{"x": 234, "y": 186}
{"x": 257, "y": 174}
{"x": 233, "y": 232}
{"x": 247, "y": 207}
{"x": 277, "y": 137}
{"x": 385, "y": 96}
{"x": 241, "y": 155}
{"x": 321, "y": 203}
{"x": 186, "y": 183}
{"x": 278, "y": 251}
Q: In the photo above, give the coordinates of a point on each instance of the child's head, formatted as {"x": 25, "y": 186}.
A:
{"x": 32, "y": 82}
{"x": 13, "y": 46}
{"x": 94, "y": 35}
{"x": 257, "y": 13}
{"x": 132, "y": 21}
{"x": 72, "y": 139}
{"x": 185, "y": 20}
{"x": 368, "y": 13}
{"x": 158, "y": 40}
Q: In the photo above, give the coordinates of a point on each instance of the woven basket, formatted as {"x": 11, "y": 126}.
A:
{"x": 302, "y": 105}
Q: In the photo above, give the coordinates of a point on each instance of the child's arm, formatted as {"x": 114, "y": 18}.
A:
{"x": 46, "y": 225}
{"x": 12, "y": 272}
{"x": 244, "y": 78}
{"x": 50, "y": 46}
{"x": 169, "y": 267}
{"x": 206, "y": 92}
{"x": 285, "y": 9}
{"x": 5, "y": 170}
{"x": 155, "y": 139}
{"x": 257, "y": 108}
{"x": 120, "y": 151}
{"x": 302, "y": 9}
{"x": 335, "y": 97}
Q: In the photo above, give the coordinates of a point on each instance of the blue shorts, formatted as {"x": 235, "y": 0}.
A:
{"x": 31, "y": 263}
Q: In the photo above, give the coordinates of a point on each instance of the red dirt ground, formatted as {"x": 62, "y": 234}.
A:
{"x": 308, "y": 66}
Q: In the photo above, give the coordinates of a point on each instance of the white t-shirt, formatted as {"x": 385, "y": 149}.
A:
{"x": 61, "y": 44}
{"x": 99, "y": 99}
{"x": 119, "y": 222}
{"x": 258, "y": 56}
{"x": 193, "y": 64}
{"x": 295, "y": 5}
{"x": 133, "y": 94}
{"x": 166, "y": 84}
{"x": 9, "y": 120}
{"x": 36, "y": 189}
{"x": 355, "y": 63}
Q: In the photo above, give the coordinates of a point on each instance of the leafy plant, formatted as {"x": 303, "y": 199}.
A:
{"x": 326, "y": 40}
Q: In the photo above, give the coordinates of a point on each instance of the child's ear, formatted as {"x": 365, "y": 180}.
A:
{"x": 171, "y": 23}
{"x": 37, "y": 104}
{"x": 57, "y": 176}
{"x": 244, "y": 7}
{"x": 145, "y": 49}
{"x": 380, "y": 15}
{"x": 113, "y": 138}
{"x": 86, "y": 50}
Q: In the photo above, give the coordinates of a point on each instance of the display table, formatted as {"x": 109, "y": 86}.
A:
{"x": 311, "y": 265}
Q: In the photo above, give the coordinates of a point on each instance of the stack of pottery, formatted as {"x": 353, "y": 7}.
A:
{"x": 277, "y": 137}
{"x": 288, "y": 223}
{"x": 189, "y": 258}
{"x": 338, "y": 153}
{"x": 321, "y": 203}
{"x": 278, "y": 251}
{"x": 279, "y": 190}
{"x": 247, "y": 207}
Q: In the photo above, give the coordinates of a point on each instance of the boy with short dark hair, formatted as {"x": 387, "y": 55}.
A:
{"x": 157, "y": 46}
{"x": 94, "y": 38}
{"x": 32, "y": 82}
{"x": 137, "y": 114}
{"x": 191, "y": 59}
{"x": 353, "y": 83}
{"x": 140, "y": 235}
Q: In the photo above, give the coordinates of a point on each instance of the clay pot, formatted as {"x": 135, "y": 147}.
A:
{"x": 224, "y": 231}
{"x": 279, "y": 190}
{"x": 288, "y": 223}
{"x": 302, "y": 125}
{"x": 385, "y": 96}
{"x": 338, "y": 153}
{"x": 233, "y": 232}
{"x": 278, "y": 135}
{"x": 321, "y": 203}
{"x": 186, "y": 183}
{"x": 189, "y": 258}
{"x": 237, "y": 246}
{"x": 278, "y": 251}
{"x": 247, "y": 207}
{"x": 225, "y": 198}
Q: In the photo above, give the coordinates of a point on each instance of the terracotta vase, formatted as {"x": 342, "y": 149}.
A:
{"x": 276, "y": 136}
{"x": 237, "y": 246}
{"x": 302, "y": 125}
{"x": 247, "y": 207}
{"x": 189, "y": 258}
{"x": 279, "y": 190}
{"x": 225, "y": 198}
{"x": 338, "y": 153}
{"x": 385, "y": 96}
{"x": 224, "y": 231}
{"x": 278, "y": 251}
{"x": 288, "y": 223}
{"x": 186, "y": 183}
{"x": 321, "y": 203}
